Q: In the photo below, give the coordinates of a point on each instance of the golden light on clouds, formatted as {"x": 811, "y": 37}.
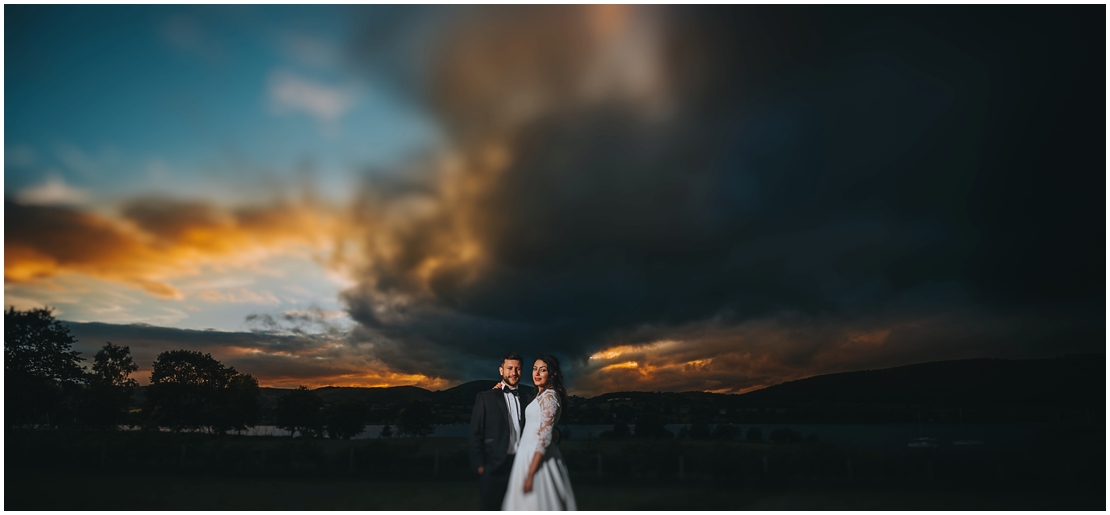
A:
{"x": 620, "y": 350}
{"x": 727, "y": 359}
{"x": 360, "y": 380}
{"x": 151, "y": 242}
{"x": 626, "y": 364}
{"x": 611, "y": 353}
{"x": 697, "y": 364}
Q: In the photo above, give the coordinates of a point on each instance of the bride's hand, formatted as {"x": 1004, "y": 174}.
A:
{"x": 499, "y": 385}
{"x": 527, "y": 484}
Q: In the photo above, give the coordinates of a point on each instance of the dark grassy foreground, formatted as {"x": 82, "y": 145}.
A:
{"x": 129, "y": 471}
{"x": 138, "y": 492}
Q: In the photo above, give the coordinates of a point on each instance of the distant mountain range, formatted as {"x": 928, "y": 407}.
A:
{"x": 1072, "y": 382}
{"x": 463, "y": 393}
{"x": 1058, "y": 389}
{"x": 1067, "y": 380}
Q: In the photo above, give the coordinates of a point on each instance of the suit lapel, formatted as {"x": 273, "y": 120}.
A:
{"x": 501, "y": 405}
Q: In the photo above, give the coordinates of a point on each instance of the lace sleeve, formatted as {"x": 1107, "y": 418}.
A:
{"x": 549, "y": 415}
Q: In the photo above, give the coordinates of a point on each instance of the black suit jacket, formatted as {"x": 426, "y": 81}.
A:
{"x": 490, "y": 426}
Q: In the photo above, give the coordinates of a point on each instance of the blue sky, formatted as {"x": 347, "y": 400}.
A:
{"x": 227, "y": 105}
{"x": 180, "y": 98}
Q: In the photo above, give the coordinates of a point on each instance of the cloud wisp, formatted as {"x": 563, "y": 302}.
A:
{"x": 53, "y": 191}
{"x": 290, "y": 93}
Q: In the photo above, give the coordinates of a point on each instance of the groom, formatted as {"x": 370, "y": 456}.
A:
{"x": 495, "y": 427}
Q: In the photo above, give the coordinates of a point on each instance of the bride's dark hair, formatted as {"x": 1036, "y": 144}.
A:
{"x": 555, "y": 377}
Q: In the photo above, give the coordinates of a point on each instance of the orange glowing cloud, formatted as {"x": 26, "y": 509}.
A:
{"x": 626, "y": 364}
{"x": 333, "y": 364}
{"x": 358, "y": 379}
{"x": 613, "y": 352}
{"x": 746, "y": 357}
{"x": 152, "y": 241}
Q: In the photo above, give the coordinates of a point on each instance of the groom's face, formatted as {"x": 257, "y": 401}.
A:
{"x": 510, "y": 371}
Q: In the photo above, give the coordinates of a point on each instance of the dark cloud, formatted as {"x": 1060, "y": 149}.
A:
{"x": 615, "y": 168}
{"x": 304, "y": 322}
{"x": 41, "y": 241}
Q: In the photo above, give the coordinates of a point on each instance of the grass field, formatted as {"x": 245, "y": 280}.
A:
{"x": 39, "y": 491}
{"x": 60, "y": 470}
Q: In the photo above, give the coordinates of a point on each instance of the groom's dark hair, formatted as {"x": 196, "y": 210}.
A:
{"x": 512, "y": 356}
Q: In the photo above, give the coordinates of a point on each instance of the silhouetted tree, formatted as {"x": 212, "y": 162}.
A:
{"x": 416, "y": 420}
{"x": 754, "y": 434}
{"x": 40, "y": 366}
{"x": 110, "y": 387}
{"x": 725, "y": 432}
{"x": 300, "y": 411}
{"x": 785, "y": 435}
{"x": 620, "y": 430}
{"x": 623, "y": 413}
{"x": 190, "y": 390}
{"x": 649, "y": 425}
{"x": 700, "y": 431}
{"x": 387, "y": 432}
{"x": 700, "y": 417}
{"x": 241, "y": 402}
{"x": 113, "y": 366}
{"x": 346, "y": 418}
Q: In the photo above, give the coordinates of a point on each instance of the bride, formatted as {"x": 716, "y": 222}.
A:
{"x": 539, "y": 479}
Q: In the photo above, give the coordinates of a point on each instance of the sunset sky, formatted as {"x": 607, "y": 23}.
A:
{"x": 667, "y": 198}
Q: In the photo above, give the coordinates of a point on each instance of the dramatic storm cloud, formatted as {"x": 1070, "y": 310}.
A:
{"x": 801, "y": 170}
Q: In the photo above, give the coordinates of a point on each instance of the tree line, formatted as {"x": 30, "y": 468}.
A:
{"x": 47, "y": 386}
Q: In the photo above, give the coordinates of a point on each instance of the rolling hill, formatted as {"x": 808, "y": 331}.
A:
{"x": 990, "y": 389}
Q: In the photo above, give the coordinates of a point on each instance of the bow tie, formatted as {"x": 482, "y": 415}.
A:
{"x": 506, "y": 389}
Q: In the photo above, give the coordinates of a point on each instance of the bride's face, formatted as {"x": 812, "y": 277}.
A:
{"x": 539, "y": 374}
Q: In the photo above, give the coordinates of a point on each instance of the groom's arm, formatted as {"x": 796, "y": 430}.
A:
{"x": 478, "y": 435}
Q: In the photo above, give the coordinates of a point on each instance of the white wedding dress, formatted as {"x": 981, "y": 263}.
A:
{"x": 551, "y": 484}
